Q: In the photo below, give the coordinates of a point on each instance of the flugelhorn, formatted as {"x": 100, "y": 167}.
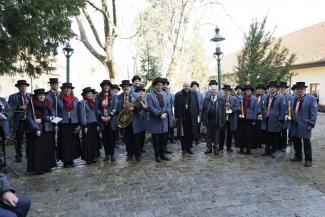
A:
{"x": 242, "y": 113}
{"x": 125, "y": 116}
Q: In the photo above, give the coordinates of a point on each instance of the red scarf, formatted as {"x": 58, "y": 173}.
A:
{"x": 40, "y": 106}
{"x": 68, "y": 101}
{"x": 91, "y": 103}
{"x": 247, "y": 99}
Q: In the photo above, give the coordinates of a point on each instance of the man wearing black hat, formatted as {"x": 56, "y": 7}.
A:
{"x": 232, "y": 107}
{"x": 187, "y": 112}
{"x": 272, "y": 118}
{"x": 53, "y": 93}
{"x": 115, "y": 88}
{"x": 19, "y": 102}
{"x": 286, "y": 125}
{"x": 304, "y": 116}
{"x": 131, "y": 131}
{"x": 259, "y": 133}
{"x": 136, "y": 82}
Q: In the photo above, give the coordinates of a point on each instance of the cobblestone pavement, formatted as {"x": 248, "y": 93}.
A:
{"x": 198, "y": 185}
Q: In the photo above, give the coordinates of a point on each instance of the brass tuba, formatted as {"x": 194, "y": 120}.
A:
{"x": 125, "y": 116}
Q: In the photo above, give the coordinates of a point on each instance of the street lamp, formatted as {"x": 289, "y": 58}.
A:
{"x": 218, "y": 38}
{"x": 68, "y": 51}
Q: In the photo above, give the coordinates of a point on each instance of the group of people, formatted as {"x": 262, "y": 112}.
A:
{"x": 60, "y": 127}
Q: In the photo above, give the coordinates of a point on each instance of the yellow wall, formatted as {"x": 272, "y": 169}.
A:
{"x": 312, "y": 75}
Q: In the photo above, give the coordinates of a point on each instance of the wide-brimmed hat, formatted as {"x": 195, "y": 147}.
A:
{"x": 67, "y": 85}
{"x": 141, "y": 87}
{"x": 195, "y": 83}
{"x": 239, "y": 87}
{"x": 136, "y": 77}
{"x": 261, "y": 86}
{"x": 21, "y": 82}
{"x": 40, "y": 91}
{"x": 106, "y": 82}
{"x": 53, "y": 81}
{"x": 157, "y": 80}
{"x": 226, "y": 87}
{"x": 283, "y": 84}
{"x": 94, "y": 91}
{"x": 300, "y": 84}
{"x": 126, "y": 82}
{"x": 213, "y": 82}
{"x": 294, "y": 87}
{"x": 115, "y": 86}
{"x": 87, "y": 90}
{"x": 248, "y": 87}
{"x": 273, "y": 84}
{"x": 165, "y": 81}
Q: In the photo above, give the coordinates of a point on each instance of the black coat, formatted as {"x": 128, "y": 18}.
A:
{"x": 194, "y": 109}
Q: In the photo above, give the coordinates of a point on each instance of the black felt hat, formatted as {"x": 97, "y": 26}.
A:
{"x": 21, "y": 82}
{"x": 106, "y": 82}
{"x": 67, "y": 85}
{"x": 157, "y": 80}
{"x": 283, "y": 84}
{"x": 195, "y": 83}
{"x": 40, "y": 91}
{"x": 300, "y": 84}
{"x": 125, "y": 82}
{"x": 248, "y": 87}
{"x": 136, "y": 77}
{"x": 213, "y": 82}
{"x": 53, "y": 81}
{"x": 273, "y": 84}
{"x": 226, "y": 87}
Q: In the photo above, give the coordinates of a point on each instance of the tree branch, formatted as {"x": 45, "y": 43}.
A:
{"x": 85, "y": 41}
{"x": 136, "y": 33}
{"x": 93, "y": 28}
{"x": 92, "y": 4}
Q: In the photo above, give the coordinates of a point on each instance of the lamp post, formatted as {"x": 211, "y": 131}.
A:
{"x": 218, "y": 38}
{"x": 68, "y": 51}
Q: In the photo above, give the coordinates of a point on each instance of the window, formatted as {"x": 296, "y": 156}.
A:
{"x": 314, "y": 89}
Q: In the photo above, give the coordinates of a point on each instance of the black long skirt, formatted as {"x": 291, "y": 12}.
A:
{"x": 69, "y": 146}
{"x": 90, "y": 143}
{"x": 41, "y": 152}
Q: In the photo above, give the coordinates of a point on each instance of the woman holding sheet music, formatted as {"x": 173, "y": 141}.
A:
{"x": 41, "y": 150}
{"x": 69, "y": 147}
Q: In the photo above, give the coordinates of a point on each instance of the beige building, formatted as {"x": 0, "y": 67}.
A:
{"x": 309, "y": 46}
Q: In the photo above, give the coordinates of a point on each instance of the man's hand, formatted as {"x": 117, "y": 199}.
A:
{"x": 86, "y": 130}
{"x": 10, "y": 198}
{"x": 163, "y": 116}
{"x": 253, "y": 123}
{"x": 131, "y": 108}
{"x": 38, "y": 121}
{"x": 260, "y": 117}
{"x": 241, "y": 116}
{"x": 309, "y": 127}
{"x": 286, "y": 117}
{"x": 38, "y": 133}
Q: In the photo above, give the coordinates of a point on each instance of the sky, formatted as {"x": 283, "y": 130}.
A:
{"x": 232, "y": 16}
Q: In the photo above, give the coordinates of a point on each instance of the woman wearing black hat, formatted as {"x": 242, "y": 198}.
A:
{"x": 248, "y": 115}
{"x": 69, "y": 147}
{"x": 88, "y": 120}
{"x": 106, "y": 110}
{"x": 41, "y": 150}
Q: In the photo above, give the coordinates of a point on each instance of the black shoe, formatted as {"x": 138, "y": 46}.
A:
{"x": 65, "y": 165}
{"x": 295, "y": 159}
{"x": 172, "y": 141}
{"x": 19, "y": 159}
{"x": 216, "y": 151}
{"x": 164, "y": 158}
{"x": 283, "y": 150}
{"x": 265, "y": 153}
{"x": 89, "y": 162}
{"x": 273, "y": 155}
{"x": 137, "y": 158}
{"x": 168, "y": 152}
{"x": 157, "y": 159}
{"x": 113, "y": 158}
{"x": 229, "y": 150}
{"x": 308, "y": 164}
{"x": 241, "y": 151}
{"x": 72, "y": 164}
{"x": 128, "y": 158}
{"x": 184, "y": 152}
{"x": 248, "y": 152}
{"x": 220, "y": 149}
{"x": 208, "y": 151}
{"x": 106, "y": 158}
{"x": 190, "y": 152}
{"x": 143, "y": 151}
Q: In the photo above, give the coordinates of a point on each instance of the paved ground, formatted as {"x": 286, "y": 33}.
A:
{"x": 198, "y": 185}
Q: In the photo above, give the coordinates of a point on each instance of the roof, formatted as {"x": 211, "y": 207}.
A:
{"x": 308, "y": 44}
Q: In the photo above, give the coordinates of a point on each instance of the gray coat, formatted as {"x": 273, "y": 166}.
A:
{"x": 112, "y": 111}
{"x": 220, "y": 108}
{"x": 155, "y": 124}
{"x": 62, "y": 113}
{"x": 171, "y": 118}
{"x": 307, "y": 116}
{"x": 276, "y": 114}
{"x": 86, "y": 114}
{"x": 45, "y": 126}
{"x": 4, "y": 107}
{"x": 15, "y": 101}
{"x": 4, "y": 185}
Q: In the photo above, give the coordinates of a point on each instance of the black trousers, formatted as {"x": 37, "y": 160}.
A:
{"x": 283, "y": 139}
{"x": 297, "y": 142}
{"x": 109, "y": 140}
{"x": 247, "y": 134}
{"x": 212, "y": 135}
{"x": 223, "y": 132}
{"x": 239, "y": 132}
{"x": 132, "y": 142}
{"x": 159, "y": 141}
{"x": 187, "y": 138}
{"x": 272, "y": 141}
{"x": 142, "y": 139}
{"x": 20, "y": 132}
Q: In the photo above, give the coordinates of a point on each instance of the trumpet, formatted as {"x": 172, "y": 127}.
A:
{"x": 289, "y": 111}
